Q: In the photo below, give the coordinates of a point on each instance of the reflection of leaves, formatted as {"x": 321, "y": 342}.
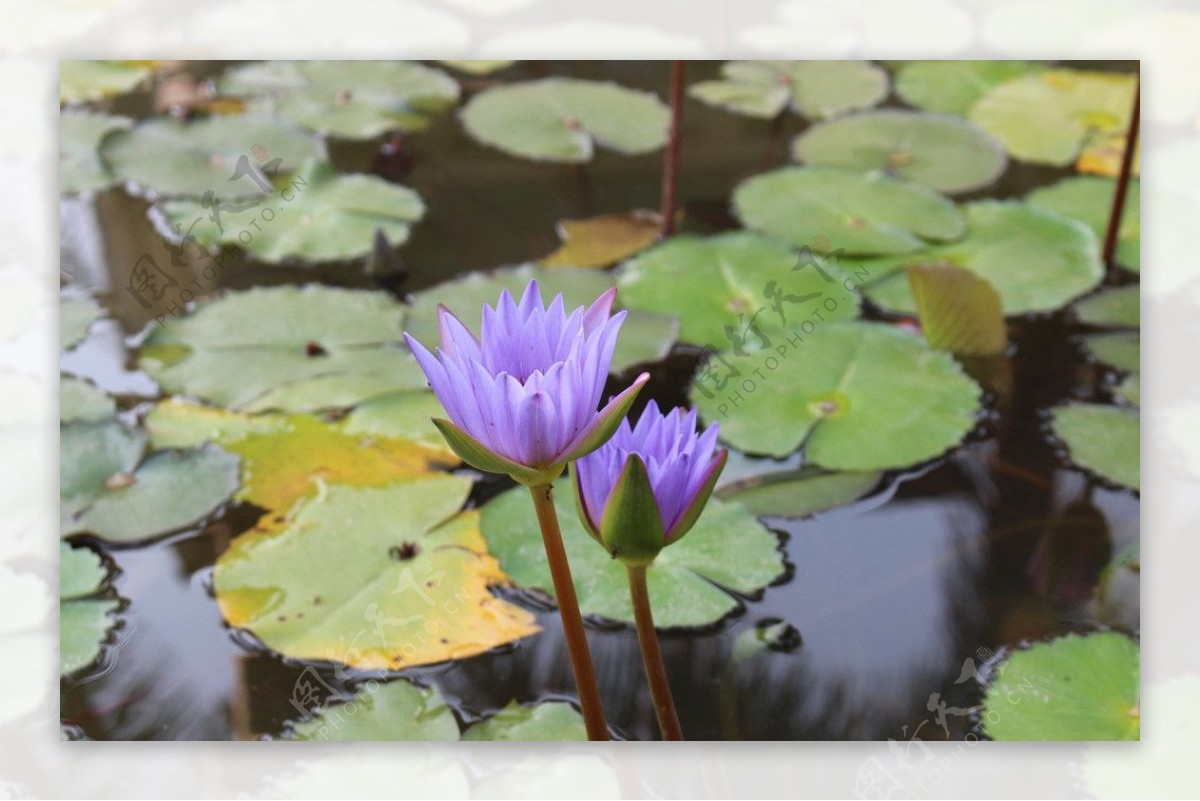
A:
{"x": 1103, "y": 439}
{"x": 85, "y": 618}
{"x": 373, "y": 577}
{"x": 813, "y": 89}
{"x": 728, "y": 548}
{"x": 83, "y": 81}
{"x": 79, "y": 136}
{"x": 604, "y": 240}
{"x": 1089, "y": 200}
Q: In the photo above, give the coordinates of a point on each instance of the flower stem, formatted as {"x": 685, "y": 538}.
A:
{"x": 568, "y": 610}
{"x": 670, "y": 176}
{"x": 656, "y": 672}
{"x": 1117, "y": 210}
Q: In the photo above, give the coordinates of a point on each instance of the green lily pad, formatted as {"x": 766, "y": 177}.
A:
{"x": 84, "y": 81}
{"x": 862, "y": 214}
{"x": 563, "y": 119}
{"x": 397, "y": 710}
{"x": 75, "y": 317}
{"x": 348, "y": 99}
{"x": 799, "y": 493}
{"x": 952, "y": 87}
{"x": 814, "y": 89}
{"x": 290, "y": 348}
{"x": 1103, "y": 439}
{"x": 373, "y": 577}
{"x": 1130, "y": 389}
{"x": 1089, "y": 199}
{"x": 83, "y": 401}
{"x": 80, "y": 133}
{"x": 959, "y": 312}
{"x": 321, "y": 216}
{"x": 1073, "y": 688}
{"x": 218, "y": 154}
{"x": 85, "y": 618}
{"x": 107, "y": 493}
{"x": 859, "y": 396}
{"x": 1037, "y": 260}
{"x": 1112, "y": 308}
{"x": 726, "y": 286}
{"x": 728, "y": 550}
{"x": 646, "y": 336}
{"x": 550, "y": 721}
{"x": 1053, "y": 116}
{"x": 1121, "y": 350}
{"x": 945, "y": 153}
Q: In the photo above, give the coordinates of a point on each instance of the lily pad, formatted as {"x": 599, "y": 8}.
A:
{"x": 75, "y": 317}
{"x": 321, "y": 216}
{"x": 1112, "y": 308}
{"x": 959, "y": 312}
{"x": 563, "y": 119}
{"x": 83, "y": 401}
{"x": 1089, "y": 199}
{"x": 220, "y": 154}
{"x": 814, "y": 89}
{"x": 108, "y": 493}
{"x": 85, "y": 617}
{"x": 397, "y": 710}
{"x": 604, "y": 240}
{"x": 1037, "y": 260}
{"x": 726, "y": 287}
{"x": 290, "y": 348}
{"x": 859, "y": 396}
{"x": 799, "y": 493}
{"x": 952, "y": 87}
{"x": 946, "y": 153}
{"x": 479, "y": 66}
{"x": 727, "y": 551}
{"x": 348, "y": 99}
{"x": 1130, "y": 389}
{"x": 84, "y": 81}
{"x": 862, "y": 214}
{"x": 80, "y": 133}
{"x": 550, "y": 721}
{"x": 1073, "y": 688}
{"x": 645, "y": 336}
{"x": 373, "y": 577}
{"x": 1121, "y": 350}
{"x": 1052, "y": 117}
{"x": 1103, "y": 439}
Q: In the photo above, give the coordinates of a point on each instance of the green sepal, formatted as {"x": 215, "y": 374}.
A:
{"x": 476, "y": 454}
{"x": 631, "y": 526}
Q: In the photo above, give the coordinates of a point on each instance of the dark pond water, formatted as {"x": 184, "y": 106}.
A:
{"x": 891, "y": 596}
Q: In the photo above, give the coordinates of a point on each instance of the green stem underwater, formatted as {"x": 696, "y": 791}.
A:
{"x": 656, "y": 672}
{"x": 568, "y": 610}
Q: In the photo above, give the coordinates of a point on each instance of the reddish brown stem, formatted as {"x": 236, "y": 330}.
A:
{"x": 656, "y": 672}
{"x": 670, "y": 176}
{"x": 1118, "y": 205}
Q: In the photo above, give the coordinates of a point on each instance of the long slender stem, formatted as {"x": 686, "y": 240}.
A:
{"x": 568, "y": 610}
{"x": 670, "y": 177}
{"x": 656, "y": 672}
{"x": 1118, "y": 206}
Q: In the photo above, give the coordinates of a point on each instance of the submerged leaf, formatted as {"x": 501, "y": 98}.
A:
{"x": 959, "y": 311}
{"x": 1103, "y": 439}
{"x": 814, "y": 89}
{"x": 604, "y": 240}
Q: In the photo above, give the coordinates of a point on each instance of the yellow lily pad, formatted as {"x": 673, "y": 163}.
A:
{"x": 604, "y": 240}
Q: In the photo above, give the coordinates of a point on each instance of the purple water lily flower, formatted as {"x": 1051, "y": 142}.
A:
{"x": 522, "y": 397}
{"x": 645, "y": 487}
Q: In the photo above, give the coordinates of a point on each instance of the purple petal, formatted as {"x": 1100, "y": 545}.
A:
{"x": 599, "y": 311}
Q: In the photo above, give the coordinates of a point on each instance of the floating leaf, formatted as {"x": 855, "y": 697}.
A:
{"x": 1037, "y": 260}
{"x": 1112, "y": 308}
{"x": 1073, "y": 688}
{"x": 960, "y": 312}
{"x": 401, "y": 415}
{"x": 945, "y": 153}
{"x": 562, "y": 119}
{"x": 373, "y": 577}
{"x": 349, "y": 99}
{"x": 727, "y": 550}
{"x": 90, "y": 454}
{"x": 1121, "y": 350}
{"x": 1104, "y": 155}
{"x": 80, "y": 133}
{"x": 221, "y": 155}
{"x": 726, "y": 286}
{"x": 1089, "y": 200}
{"x": 287, "y": 347}
{"x": 397, "y": 710}
{"x": 862, "y": 214}
{"x": 75, "y": 317}
{"x": 320, "y": 216}
{"x": 860, "y": 396}
{"x": 83, "y": 401}
{"x": 645, "y": 337}
{"x": 84, "y": 618}
{"x": 1103, "y": 439}
{"x": 1051, "y": 117}
{"x": 798, "y": 493}
{"x": 814, "y": 89}
{"x": 604, "y": 240}
{"x": 83, "y": 81}
{"x": 1130, "y": 389}
{"x": 952, "y": 87}
{"x": 549, "y": 721}
{"x": 479, "y": 66}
